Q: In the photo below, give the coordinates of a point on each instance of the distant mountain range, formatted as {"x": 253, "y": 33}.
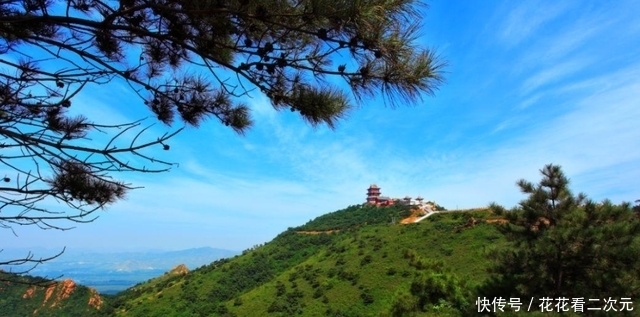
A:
{"x": 110, "y": 272}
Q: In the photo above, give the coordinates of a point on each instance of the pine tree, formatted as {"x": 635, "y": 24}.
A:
{"x": 285, "y": 50}
{"x": 561, "y": 245}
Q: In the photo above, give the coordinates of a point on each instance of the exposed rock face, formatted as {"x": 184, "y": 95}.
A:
{"x": 57, "y": 292}
{"x": 29, "y": 293}
{"x": 179, "y": 270}
{"x": 54, "y": 294}
{"x": 95, "y": 300}
{"x": 61, "y": 291}
{"x": 36, "y": 296}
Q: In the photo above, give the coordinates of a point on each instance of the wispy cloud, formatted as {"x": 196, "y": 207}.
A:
{"x": 551, "y": 49}
{"x": 529, "y": 101}
{"x": 553, "y": 74}
{"x": 524, "y": 20}
{"x": 581, "y": 140}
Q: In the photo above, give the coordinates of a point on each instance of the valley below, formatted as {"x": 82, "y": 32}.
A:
{"x": 112, "y": 272}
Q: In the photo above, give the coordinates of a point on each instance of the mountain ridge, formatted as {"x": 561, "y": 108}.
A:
{"x": 350, "y": 272}
{"x": 352, "y": 265}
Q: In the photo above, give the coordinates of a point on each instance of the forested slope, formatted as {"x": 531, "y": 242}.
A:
{"x": 355, "y": 271}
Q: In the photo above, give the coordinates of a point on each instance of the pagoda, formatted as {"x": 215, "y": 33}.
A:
{"x": 374, "y": 198}
{"x": 373, "y": 193}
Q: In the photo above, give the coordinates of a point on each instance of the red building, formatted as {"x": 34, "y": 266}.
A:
{"x": 373, "y": 192}
{"x": 374, "y": 198}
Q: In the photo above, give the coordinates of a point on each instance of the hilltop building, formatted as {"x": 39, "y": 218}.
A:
{"x": 374, "y": 197}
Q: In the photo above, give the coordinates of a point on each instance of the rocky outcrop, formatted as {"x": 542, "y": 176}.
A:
{"x": 95, "y": 300}
{"x": 179, "y": 270}
{"x": 57, "y": 292}
{"x": 35, "y": 296}
{"x": 29, "y": 293}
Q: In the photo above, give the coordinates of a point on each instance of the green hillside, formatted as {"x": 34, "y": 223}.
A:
{"x": 351, "y": 272}
{"x": 361, "y": 261}
{"x": 358, "y": 262}
{"x": 359, "y": 272}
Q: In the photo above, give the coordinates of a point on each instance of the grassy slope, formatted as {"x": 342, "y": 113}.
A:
{"x": 388, "y": 270}
{"x": 332, "y": 268}
{"x": 355, "y": 271}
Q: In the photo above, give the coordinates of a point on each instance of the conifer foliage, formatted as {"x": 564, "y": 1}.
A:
{"x": 188, "y": 61}
{"x": 565, "y": 245}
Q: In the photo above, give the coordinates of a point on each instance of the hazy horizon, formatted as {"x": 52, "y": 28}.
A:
{"x": 121, "y": 249}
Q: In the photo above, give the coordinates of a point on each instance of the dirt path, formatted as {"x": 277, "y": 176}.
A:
{"x": 317, "y": 232}
{"x": 417, "y": 216}
{"x": 410, "y": 219}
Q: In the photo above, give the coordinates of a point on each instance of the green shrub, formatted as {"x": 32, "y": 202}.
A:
{"x": 318, "y": 293}
{"x": 366, "y": 297}
{"x": 446, "y": 250}
{"x": 366, "y": 260}
{"x": 280, "y": 288}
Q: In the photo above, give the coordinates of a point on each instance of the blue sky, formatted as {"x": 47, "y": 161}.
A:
{"x": 528, "y": 83}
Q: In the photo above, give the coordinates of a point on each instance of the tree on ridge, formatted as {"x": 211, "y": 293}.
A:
{"x": 565, "y": 245}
